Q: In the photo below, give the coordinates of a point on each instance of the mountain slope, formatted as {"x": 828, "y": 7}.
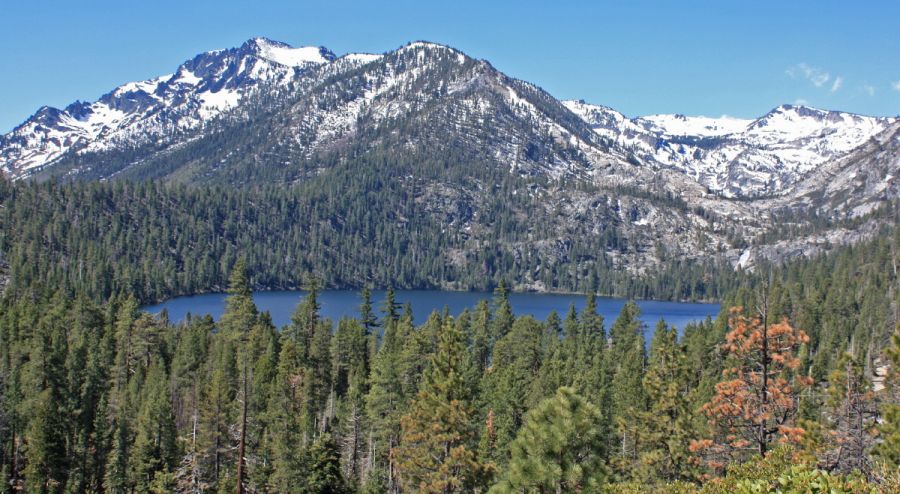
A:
{"x": 421, "y": 98}
{"x": 327, "y": 102}
{"x": 162, "y": 108}
{"x": 737, "y": 157}
{"x": 427, "y": 129}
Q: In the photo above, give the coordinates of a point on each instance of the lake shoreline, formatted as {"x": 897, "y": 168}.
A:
{"x": 337, "y": 304}
{"x": 223, "y": 291}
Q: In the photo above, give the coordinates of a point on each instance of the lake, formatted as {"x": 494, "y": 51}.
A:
{"x": 345, "y": 303}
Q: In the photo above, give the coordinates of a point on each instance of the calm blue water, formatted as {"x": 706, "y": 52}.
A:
{"x": 340, "y": 303}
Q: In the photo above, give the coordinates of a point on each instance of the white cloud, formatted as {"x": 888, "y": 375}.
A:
{"x": 896, "y": 86}
{"x": 869, "y": 89}
{"x": 838, "y": 82}
{"x": 801, "y": 102}
{"x": 816, "y": 76}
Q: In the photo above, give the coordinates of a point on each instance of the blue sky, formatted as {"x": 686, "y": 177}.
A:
{"x": 698, "y": 58}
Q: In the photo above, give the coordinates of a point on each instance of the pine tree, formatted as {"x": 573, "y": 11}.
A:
{"x": 436, "y": 452}
{"x": 116, "y": 478}
{"x": 217, "y": 412}
{"x": 503, "y": 316}
{"x": 666, "y": 428}
{"x": 505, "y": 388}
{"x": 263, "y": 347}
{"x": 240, "y": 311}
{"x": 86, "y": 384}
{"x": 188, "y": 376}
{"x": 625, "y": 363}
{"x": 46, "y": 450}
{"x": 853, "y": 418}
{"x": 418, "y": 345}
{"x": 390, "y": 306}
{"x": 590, "y": 349}
{"x": 236, "y": 324}
{"x": 350, "y": 378}
{"x": 386, "y": 401}
{"x": 482, "y": 343}
{"x": 47, "y": 463}
{"x": 551, "y": 376}
{"x": 154, "y": 447}
{"x": 576, "y": 372}
{"x": 286, "y": 410}
{"x": 312, "y": 336}
{"x": 323, "y": 469}
{"x": 625, "y": 371}
{"x": 558, "y": 449}
{"x": 366, "y": 315}
{"x": 552, "y": 333}
{"x": 757, "y": 402}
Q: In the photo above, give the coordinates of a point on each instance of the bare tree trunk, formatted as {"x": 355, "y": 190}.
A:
{"x": 14, "y": 472}
{"x": 194, "y": 464}
{"x": 243, "y": 439}
{"x": 764, "y": 312}
{"x": 370, "y": 458}
{"x": 392, "y": 487}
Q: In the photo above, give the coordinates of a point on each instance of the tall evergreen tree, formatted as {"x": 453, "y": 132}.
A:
{"x": 436, "y": 451}
{"x": 47, "y": 465}
{"x": 154, "y": 447}
{"x": 888, "y": 451}
{"x": 853, "y": 418}
{"x": 625, "y": 371}
{"x": 386, "y": 401}
{"x": 666, "y": 428}
{"x": 366, "y": 315}
{"x": 287, "y": 408}
{"x": 482, "y": 342}
{"x": 323, "y": 469}
{"x": 505, "y": 389}
{"x": 503, "y": 316}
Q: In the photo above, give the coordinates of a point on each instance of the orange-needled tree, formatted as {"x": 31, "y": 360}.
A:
{"x": 756, "y": 403}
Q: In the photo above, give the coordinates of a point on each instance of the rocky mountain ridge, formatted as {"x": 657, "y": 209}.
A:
{"x": 468, "y": 142}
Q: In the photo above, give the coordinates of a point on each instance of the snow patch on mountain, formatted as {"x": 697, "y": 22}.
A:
{"x": 362, "y": 58}
{"x": 736, "y": 157}
{"x": 200, "y": 90}
{"x": 290, "y": 56}
{"x": 680, "y": 125}
{"x": 729, "y": 156}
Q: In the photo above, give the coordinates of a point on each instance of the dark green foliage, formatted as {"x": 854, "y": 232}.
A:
{"x": 323, "y": 464}
{"x": 558, "y": 449}
{"x": 48, "y": 464}
{"x": 436, "y": 450}
{"x": 154, "y": 442}
{"x": 666, "y": 428}
{"x": 157, "y": 240}
{"x": 99, "y": 396}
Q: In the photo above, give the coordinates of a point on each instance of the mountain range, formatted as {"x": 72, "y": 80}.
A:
{"x": 793, "y": 181}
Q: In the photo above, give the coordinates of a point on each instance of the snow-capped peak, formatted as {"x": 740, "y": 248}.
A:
{"x": 284, "y": 54}
{"x": 681, "y": 125}
{"x": 734, "y": 156}
{"x": 362, "y": 58}
{"x": 134, "y": 113}
{"x": 422, "y": 45}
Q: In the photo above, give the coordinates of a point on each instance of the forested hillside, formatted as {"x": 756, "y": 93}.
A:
{"x": 425, "y": 167}
{"x": 349, "y": 230}
{"x": 270, "y": 167}
{"x": 795, "y": 388}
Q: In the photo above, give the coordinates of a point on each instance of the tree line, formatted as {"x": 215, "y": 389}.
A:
{"x": 350, "y": 230}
